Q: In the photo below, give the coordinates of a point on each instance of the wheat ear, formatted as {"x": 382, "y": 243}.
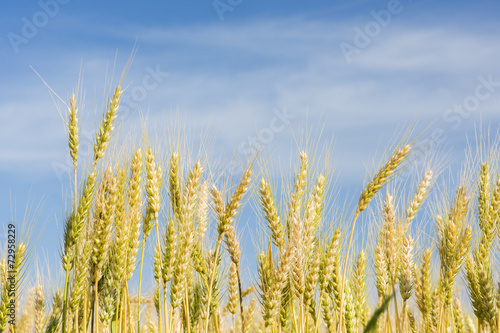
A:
{"x": 39, "y": 310}
{"x": 73, "y": 142}
{"x": 271, "y": 215}
{"x": 366, "y": 196}
{"x": 381, "y": 273}
{"x": 107, "y": 126}
{"x": 234, "y": 297}
{"x": 423, "y": 287}
{"x": 419, "y": 196}
{"x": 359, "y": 284}
{"x": 454, "y": 242}
{"x": 75, "y": 223}
{"x": 330, "y": 276}
{"x": 55, "y": 316}
{"x": 134, "y": 202}
{"x": 405, "y": 276}
{"x": 103, "y": 222}
{"x": 153, "y": 180}
{"x": 26, "y": 322}
{"x": 312, "y": 280}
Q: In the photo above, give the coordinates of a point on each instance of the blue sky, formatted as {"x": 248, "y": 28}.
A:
{"x": 359, "y": 70}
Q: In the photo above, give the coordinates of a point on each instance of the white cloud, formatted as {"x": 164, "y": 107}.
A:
{"x": 234, "y": 75}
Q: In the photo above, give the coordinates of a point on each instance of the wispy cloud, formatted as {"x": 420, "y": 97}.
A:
{"x": 234, "y": 75}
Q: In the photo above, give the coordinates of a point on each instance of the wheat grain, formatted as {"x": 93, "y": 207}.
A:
{"x": 249, "y": 316}
{"x": 235, "y": 201}
{"x": 55, "y": 316}
{"x": 423, "y": 287}
{"x": 366, "y": 196}
{"x": 311, "y": 281}
{"x": 406, "y": 276}
{"x": 381, "y": 273}
{"x": 295, "y": 202}
{"x": 488, "y": 306}
{"x": 389, "y": 237}
{"x": 73, "y": 140}
{"x": 327, "y": 311}
{"x": 233, "y": 246}
{"x": 350, "y": 311}
{"x": 419, "y": 196}
{"x": 107, "y": 298}
{"x": 266, "y": 282}
{"x": 134, "y": 201}
{"x": 382, "y": 177}
{"x": 359, "y": 289}
{"x": 103, "y": 217}
{"x": 271, "y": 215}
{"x": 153, "y": 193}
{"x": 483, "y": 198}
{"x": 330, "y": 276}
{"x": 298, "y": 275}
{"x": 473, "y": 284}
{"x": 469, "y": 324}
{"x": 26, "y": 322}
{"x": 80, "y": 278}
{"x": 234, "y": 298}
{"x": 39, "y": 310}
{"x": 202, "y": 211}
{"x": 453, "y": 243}
{"x": 186, "y": 236}
{"x": 169, "y": 253}
{"x": 122, "y": 231}
{"x": 495, "y": 205}
{"x": 175, "y": 192}
{"x": 459, "y": 317}
{"x": 107, "y": 126}
{"x": 310, "y": 227}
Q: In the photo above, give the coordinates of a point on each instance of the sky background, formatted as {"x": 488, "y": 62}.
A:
{"x": 357, "y": 71}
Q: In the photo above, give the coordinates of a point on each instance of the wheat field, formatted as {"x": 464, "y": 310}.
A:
{"x": 307, "y": 280}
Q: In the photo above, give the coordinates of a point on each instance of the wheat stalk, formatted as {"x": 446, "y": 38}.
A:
{"x": 153, "y": 181}
{"x": 134, "y": 202}
{"x": 366, "y": 196}
{"x": 39, "y": 310}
